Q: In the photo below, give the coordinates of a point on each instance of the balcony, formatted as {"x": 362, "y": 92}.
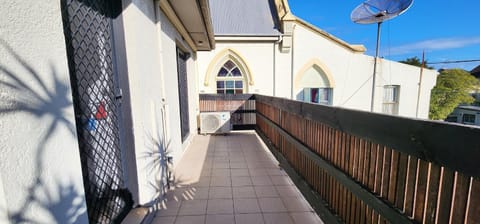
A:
{"x": 351, "y": 166}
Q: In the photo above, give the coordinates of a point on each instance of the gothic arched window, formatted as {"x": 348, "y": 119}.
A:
{"x": 229, "y": 79}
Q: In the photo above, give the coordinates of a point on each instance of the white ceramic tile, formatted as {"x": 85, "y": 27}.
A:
{"x": 249, "y": 219}
{"x": 220, "y": 206}
{"x": 271, "y": 205}
{"x": 164, "y": 220}
{"x": 191, "y": 219}
{"x": 266, "y": 191}
{"x": 241, "y": 181}
{"x": 220, "y": 219}
{"x": 278, "y": 218}
{"x": 296, "y": 204}
{"x": 194, "y": 207}
{"x": 306, "y": 217}
{"x": 220, "y": 192}
{"x": 246, "y": 205}
{"x": 244, "y": 192}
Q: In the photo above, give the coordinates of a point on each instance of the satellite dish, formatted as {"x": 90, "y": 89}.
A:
{"x": 377, "y": 11}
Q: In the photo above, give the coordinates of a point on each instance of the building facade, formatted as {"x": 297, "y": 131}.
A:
{"x": 272, "y": 52}
{"x": 469, "y": 115}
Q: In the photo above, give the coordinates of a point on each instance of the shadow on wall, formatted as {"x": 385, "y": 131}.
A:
{"x": 29, "y": 94}
{"x": 158, "y": 163}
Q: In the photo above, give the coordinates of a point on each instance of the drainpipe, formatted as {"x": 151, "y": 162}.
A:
{"x": 420, "y": 84}
{"x": 280, "y": 38}
{"x": 292, "y": 62}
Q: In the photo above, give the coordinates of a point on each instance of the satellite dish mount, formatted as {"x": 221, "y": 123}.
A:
{"x": 377, "y": 11}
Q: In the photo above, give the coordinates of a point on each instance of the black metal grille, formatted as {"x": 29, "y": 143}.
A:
{"x": 89, "y": 40}
{"x": 183, "y": 93}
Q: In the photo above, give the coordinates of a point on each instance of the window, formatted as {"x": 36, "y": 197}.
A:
{"x": 468, "y": 119}
{"x": 390, "y": 99}
{"x": 318, "y": 95}
{"x": 451, "y": 118}
{"x": 229, "y": 79}
{"x": 313, "y": 85}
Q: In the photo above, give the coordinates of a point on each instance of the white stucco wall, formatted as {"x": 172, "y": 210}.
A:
{"x": 283, "y": 74}
{"x": 40, "y": 169}
{"x": 151, "y": 43}
{"x": 277, "y": 73}
{"x": 344, "y": 66}
{"x": 258, "y": 56}
{"x": 171, "y": 39}
{"x": 3, "y": 203}
{"x": 141, "y": 44}
{"x": 352, "y": 74}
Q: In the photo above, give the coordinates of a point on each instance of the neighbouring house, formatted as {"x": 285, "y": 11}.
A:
{"x": 97, "y": 97}
{"x": 261, "y": 47}
{"x": 476, "y": 72}
{"x": 465, "y": 115}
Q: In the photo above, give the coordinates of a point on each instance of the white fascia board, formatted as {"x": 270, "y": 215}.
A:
{"x": 248, "y": 38}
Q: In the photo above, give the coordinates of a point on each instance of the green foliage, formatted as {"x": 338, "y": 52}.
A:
{"x": 453, "y": 88}
{"x": 416, "y": 62}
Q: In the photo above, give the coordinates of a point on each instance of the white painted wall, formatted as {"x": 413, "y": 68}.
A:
{"x": 40, "y": 169}
{"x": 170, "y": 40}
{"x": 151, "y": 43}
{"x": 3, "y": 203}
{"x": 257, "y": 55}
{"x": 144, "y": 80}
{"x": 351, "y": 72}
{"x": 283, "y": 73}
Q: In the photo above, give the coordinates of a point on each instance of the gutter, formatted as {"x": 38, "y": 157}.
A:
{"x": 207, "y": 19}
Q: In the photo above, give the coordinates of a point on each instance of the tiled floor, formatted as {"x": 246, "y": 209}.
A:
{"x": 232, "y": 179}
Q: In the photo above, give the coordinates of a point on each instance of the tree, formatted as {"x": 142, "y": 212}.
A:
{"x": 453, "y": 88}
{"x": 416, "y": 62}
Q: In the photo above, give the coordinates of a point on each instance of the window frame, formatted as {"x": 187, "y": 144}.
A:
{"x": 230, "y": 78}
{"x": 470, "y": 116}
{"x": 308, "y": 97}
{"x": 394, "y": 104}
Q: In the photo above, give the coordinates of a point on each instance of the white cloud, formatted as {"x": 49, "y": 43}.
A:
{"x": 435, "y": 44}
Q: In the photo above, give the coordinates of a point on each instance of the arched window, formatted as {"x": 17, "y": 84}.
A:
{"x": 229, "y": 79}
{"x": 314, "y": 86}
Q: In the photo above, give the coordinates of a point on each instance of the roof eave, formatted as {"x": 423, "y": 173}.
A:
{"x": 207, "y": 18}
{"x": 196, "y": 30}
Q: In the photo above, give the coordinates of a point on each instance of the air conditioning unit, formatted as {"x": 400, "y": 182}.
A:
{"x": 215, "y": 122}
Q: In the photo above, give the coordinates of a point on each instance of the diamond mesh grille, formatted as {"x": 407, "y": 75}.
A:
{"x": 88, "y": 32}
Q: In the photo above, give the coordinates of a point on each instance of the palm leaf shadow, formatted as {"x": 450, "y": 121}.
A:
{"x": 26, "y": 92}
{"x": 158, "y": 161}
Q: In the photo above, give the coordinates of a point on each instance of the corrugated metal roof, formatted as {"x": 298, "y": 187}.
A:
{"x": 243, "y": 18}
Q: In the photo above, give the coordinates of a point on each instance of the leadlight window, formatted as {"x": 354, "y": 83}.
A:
{"x": 229, "y": 79}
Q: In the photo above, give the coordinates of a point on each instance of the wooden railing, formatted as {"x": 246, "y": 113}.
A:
{"x": 241, "y": 106}
{"x": 366, "y": 167}
{"x": 372, "y": 168}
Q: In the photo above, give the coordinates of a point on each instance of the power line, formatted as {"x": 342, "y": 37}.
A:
{"x": 452, "y": 62}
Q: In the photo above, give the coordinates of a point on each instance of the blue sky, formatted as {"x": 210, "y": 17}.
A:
{"x": 446, "y": 30}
